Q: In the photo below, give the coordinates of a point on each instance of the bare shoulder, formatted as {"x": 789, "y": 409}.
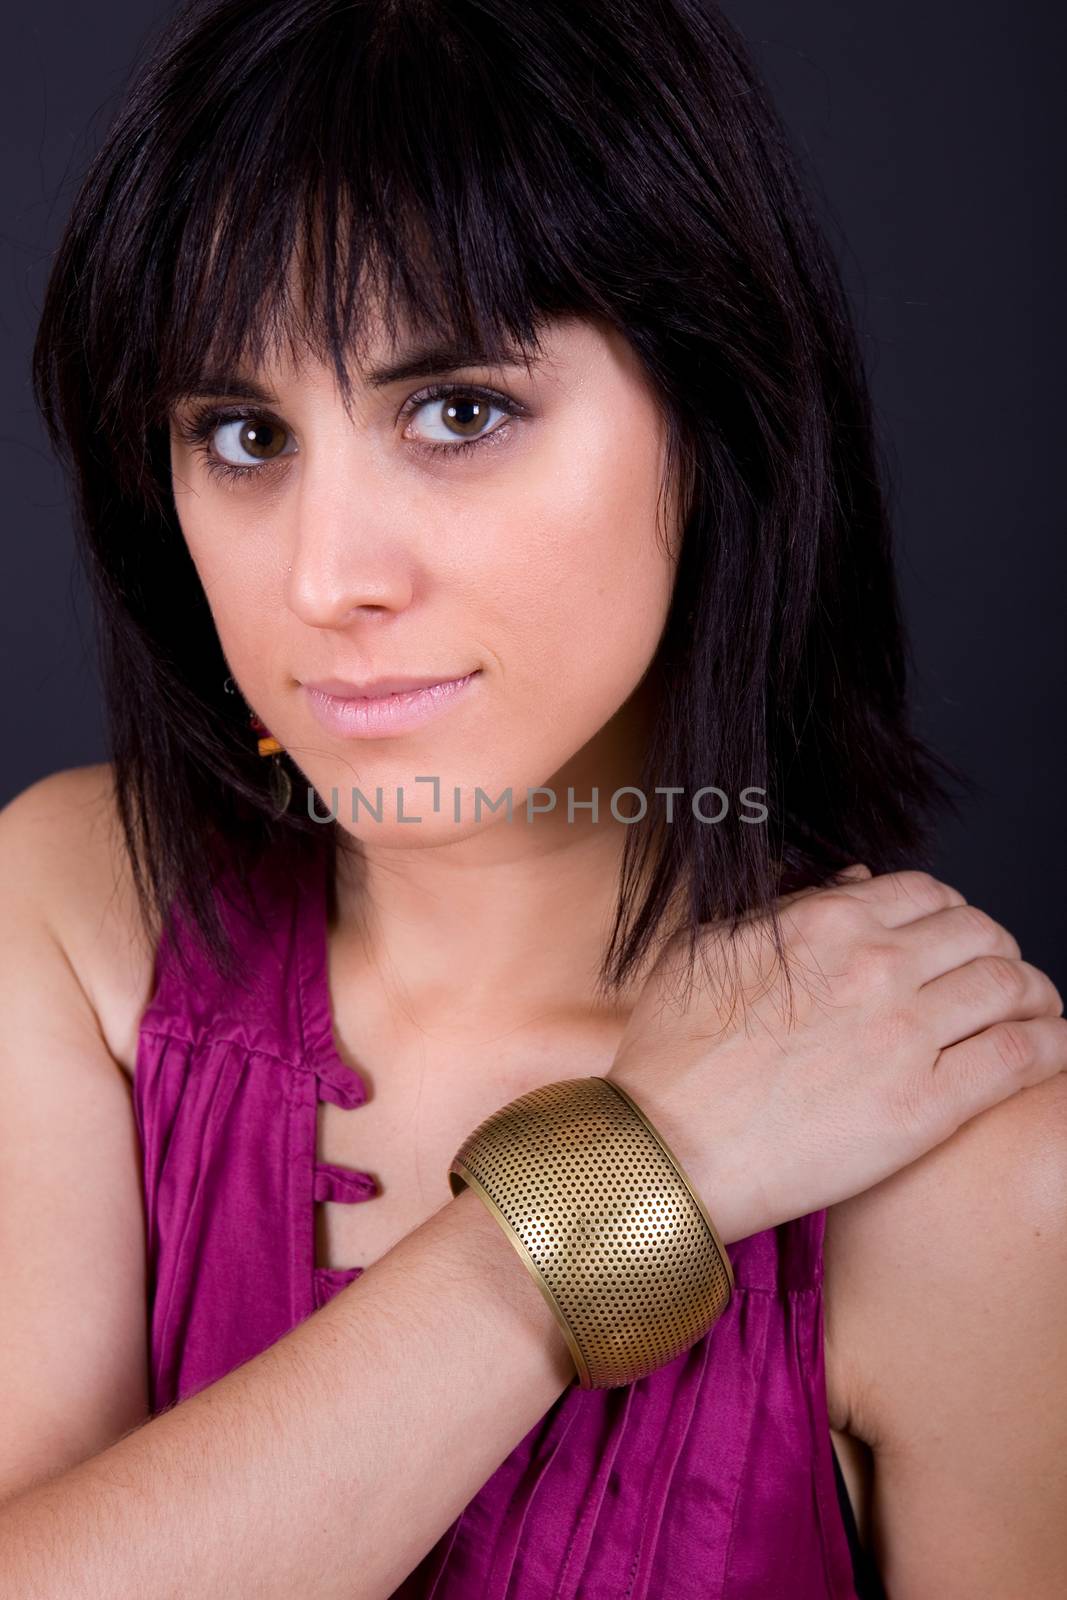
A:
{"x": 63, "y": 847}
{"x": 938, "y": 1274}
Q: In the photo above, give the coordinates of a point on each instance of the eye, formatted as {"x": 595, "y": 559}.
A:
{"x": 232, "y": 444}
{"x": 261, "y": 439}
{"x": 241, "y": 445}
{"x": 455, "y": 418}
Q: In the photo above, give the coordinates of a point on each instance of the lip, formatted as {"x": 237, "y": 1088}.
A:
{"x": 382, "y": 705}
{"x": 373, "y": 689}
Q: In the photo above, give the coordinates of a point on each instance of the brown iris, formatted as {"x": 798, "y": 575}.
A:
{"x": 261, "y": 438}
{"x": 466, "y": 415}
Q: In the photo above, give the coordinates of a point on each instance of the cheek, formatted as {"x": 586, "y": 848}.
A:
{"x": 238, "y": 585}
{"x": 584, "y": 592}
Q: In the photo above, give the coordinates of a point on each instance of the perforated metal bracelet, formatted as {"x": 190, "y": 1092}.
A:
{"x": 606, "y": 1221}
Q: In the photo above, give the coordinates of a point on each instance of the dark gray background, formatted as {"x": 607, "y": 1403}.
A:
{"x": 933, "y": 136}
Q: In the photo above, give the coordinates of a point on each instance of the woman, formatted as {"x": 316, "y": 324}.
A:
{"x": 494, "y": 348}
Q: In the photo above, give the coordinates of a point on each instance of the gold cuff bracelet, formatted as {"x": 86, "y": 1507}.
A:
{"x": 603, "y": 1217}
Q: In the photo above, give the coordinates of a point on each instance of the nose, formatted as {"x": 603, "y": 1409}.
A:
{"x": 349, "y": 557}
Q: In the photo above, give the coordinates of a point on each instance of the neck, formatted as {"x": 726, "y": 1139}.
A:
{"x": 505, "y": 924}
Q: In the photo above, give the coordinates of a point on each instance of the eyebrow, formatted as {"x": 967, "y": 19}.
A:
{"x": 425, "y": 361}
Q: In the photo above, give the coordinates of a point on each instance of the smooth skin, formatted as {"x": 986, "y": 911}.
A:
{"x": 532, "y": 557}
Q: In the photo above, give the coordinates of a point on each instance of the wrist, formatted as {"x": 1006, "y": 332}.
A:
{"x": 605, "y": 1219}
{"x": 494, "y": 1254}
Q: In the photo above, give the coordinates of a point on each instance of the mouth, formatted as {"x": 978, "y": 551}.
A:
{"x": 378, "y": 688}
{"x": 382, "y": 706}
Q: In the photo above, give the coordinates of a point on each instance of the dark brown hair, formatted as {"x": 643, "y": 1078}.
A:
{"x": 488, "y": 164}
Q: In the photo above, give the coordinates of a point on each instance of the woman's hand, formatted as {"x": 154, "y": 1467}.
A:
{"x": 914, "y": 1011}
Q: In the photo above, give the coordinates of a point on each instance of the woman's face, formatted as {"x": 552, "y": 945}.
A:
{"x": 510, "y": 535}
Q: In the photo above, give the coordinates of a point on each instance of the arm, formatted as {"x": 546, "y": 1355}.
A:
{"x": 329, "y": 1464}
{"x": 952, "y": 1322}
{"x": 325, "y": 1467}
{"x": 72, "y": 1279}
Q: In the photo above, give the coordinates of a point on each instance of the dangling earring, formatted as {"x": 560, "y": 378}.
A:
{"x": 281, "y": 787}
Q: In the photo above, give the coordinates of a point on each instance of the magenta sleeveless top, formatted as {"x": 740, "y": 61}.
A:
{"x": 712, "y": 1479}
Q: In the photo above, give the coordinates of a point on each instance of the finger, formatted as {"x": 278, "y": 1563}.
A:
{"x": 898, "y": 898}
{"x": 990, "y": 1066}
{"x": 952, "y": 936}
{"x": 984, "y": 992}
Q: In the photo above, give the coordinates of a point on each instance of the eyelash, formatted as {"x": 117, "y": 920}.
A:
{"x": 198, "y": 429}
